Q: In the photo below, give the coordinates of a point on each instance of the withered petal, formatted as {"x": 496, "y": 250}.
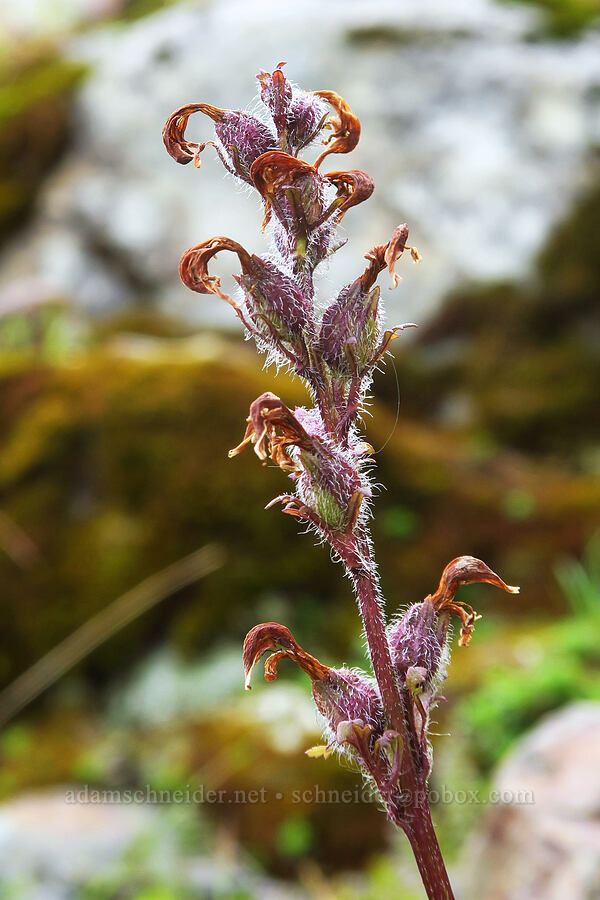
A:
{"x": 466, "y": 570}
{"x": 174, "y": 140}
{"x": 345, "y": 128}
{"x": 353, "y": 187}
{"x": 395, "y": 249}
{"x": 272, "y": 427}
{"x": 275, "y": 169}
{"x": 390, "y": 335}
{"x": 193, "y": 266}
{"x": 273, "y": 636}
{"x": 386, "y": 255}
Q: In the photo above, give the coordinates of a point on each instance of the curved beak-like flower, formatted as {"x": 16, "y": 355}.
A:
{"x": 346, "y": 699}
{"x": 193, "y": 267}
{"x": 242, "y": 138}
{"x": 464, "y": 570}
{"x": 273, "y": 636}
{"x": 353, "y": 187}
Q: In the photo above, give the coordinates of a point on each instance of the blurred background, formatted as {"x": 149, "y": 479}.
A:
{"x": 121, "y": 392}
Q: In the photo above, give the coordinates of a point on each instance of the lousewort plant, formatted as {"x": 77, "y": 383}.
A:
{"x": 381, "y": 721}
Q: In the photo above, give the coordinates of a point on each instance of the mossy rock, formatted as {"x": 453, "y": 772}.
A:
{"x": 35, "y": 90}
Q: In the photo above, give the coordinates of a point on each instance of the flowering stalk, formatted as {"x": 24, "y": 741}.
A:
{"x": 380, "y": 722}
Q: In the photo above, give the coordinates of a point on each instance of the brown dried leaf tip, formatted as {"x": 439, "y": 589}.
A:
{"x": 273, "y": 636}
{"x": 464, "y": 570}
{"x": 275, "y": 170}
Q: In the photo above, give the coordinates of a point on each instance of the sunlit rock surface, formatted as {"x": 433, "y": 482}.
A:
{"x": 475, "y": 134}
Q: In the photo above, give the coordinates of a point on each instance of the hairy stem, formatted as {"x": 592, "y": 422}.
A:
{"x": 411, "y": 806}
{"x": 424, "y": 843}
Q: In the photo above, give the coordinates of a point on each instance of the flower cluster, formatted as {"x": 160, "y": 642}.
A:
{"x": 382, "y": 721}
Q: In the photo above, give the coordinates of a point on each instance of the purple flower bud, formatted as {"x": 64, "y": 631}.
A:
{"x": 275, "y": 303}
{"x": 306, "y": 118}
{"x": 351, "y": 340}
{"x": 416, "y": 641}
{"x": 329, "y": 482}
{"x": 419, "y": 639}
{"x": 243, "y": 139}
{"x": 344, "y": 695}
{"x": 298, "y": 115}
{"x": 350, "y": 332}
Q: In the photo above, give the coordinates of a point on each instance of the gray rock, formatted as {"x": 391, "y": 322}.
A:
{"x": 57, "y": 842}
{"x": 543, "y": 841}
{"x": 475, "y": 135}
{"x": 49, "y": 847}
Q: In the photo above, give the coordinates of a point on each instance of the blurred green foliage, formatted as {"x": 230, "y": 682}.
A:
{"x": 551, "y": 666}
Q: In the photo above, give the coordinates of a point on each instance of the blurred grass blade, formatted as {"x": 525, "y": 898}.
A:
{"x": 106, "y": 623}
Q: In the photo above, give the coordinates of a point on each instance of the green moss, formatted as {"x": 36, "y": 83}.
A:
{"x": 117, "y": 467}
